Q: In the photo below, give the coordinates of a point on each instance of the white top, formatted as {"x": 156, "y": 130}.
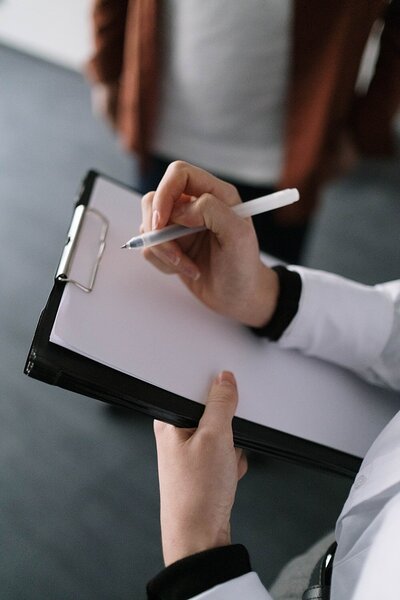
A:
{"x": 358, "y": 326}
{"x": 224, "y": 81}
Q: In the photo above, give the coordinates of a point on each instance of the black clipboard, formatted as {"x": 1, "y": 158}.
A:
{"x": 59, "y": 366}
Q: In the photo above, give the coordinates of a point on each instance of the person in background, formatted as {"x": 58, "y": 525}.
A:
{"x": 260, "y": 92}
{"x": 320, "y": 314}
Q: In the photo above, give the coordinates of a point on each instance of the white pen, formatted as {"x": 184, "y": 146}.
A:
{"x": 244, "y": 210}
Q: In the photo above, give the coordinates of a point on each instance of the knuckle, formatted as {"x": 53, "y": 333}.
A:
{"x": 147, "y": 253}
{"x": 233, "y": 192}
{"x": 206, "y": 201}
{"x": 177, "y": 166}
{"x": 207, "y": 437}
{"x": 158, "y": 427}
{"x": 161, "y": 428}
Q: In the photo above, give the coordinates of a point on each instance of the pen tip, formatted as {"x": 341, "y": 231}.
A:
{"x": 124, "y": 246}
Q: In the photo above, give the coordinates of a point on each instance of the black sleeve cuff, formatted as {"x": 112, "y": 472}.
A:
{"x": 287, "y": 306}
{"x": 200, "y": 572}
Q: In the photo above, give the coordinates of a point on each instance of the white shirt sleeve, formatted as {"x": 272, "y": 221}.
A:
{"x": 353, "y": 325}
{"x": 379, "y": 575}
{"x": 358, "y": 327}
{"x": 247, "y": 586}
{"x": 368, "y": 529}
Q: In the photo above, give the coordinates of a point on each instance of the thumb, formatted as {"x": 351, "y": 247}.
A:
{"x": 221, "y": 404}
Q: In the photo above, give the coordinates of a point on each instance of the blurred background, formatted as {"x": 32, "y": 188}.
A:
{"x": 78, "y": 483}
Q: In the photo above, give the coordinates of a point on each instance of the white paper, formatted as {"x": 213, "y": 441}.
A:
{"x": 148, "y": 325}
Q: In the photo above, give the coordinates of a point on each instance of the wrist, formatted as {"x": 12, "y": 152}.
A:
{"x": 264, "y": 298}
{"x": 177, "y": 546}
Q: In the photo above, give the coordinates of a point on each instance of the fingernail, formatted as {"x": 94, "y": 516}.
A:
{"x": 172, "y": 256}
{"x": 226, "y": 377}
{"x": 155, "y": 219}
{"x": 191, "y": 273}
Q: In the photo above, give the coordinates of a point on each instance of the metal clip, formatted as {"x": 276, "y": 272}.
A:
{"x": 64, "y": 267}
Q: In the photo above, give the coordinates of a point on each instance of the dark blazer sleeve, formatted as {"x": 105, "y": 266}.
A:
{"x": 375, "y": 112}
{"x": 108, "y": 30}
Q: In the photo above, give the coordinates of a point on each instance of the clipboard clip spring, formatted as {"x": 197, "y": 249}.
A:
{"x": 64, "y": 267}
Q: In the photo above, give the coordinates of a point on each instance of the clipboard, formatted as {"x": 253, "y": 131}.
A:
{"x": 57, "y": 365}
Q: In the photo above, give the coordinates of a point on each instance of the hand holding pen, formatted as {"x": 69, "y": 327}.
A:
{"x": 249, "y": 209}
{"x": 220, "y": 264}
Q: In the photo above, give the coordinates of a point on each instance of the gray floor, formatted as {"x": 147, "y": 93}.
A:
{"x": 78, "y": 487}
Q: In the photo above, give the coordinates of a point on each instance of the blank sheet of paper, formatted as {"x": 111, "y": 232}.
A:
{"x": 148, "y": 325}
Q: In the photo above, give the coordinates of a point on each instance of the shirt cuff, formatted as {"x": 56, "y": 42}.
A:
{"x": 195, "y": 574}
{"x": 287, "y": 305}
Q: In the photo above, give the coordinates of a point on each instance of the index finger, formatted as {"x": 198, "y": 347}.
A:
{"x": 183, "y": 178}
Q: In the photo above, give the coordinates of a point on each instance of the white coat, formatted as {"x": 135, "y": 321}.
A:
{"x": 358, "y": 327}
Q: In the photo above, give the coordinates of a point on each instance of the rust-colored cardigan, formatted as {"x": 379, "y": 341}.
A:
{"x": 328, "y": 39}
